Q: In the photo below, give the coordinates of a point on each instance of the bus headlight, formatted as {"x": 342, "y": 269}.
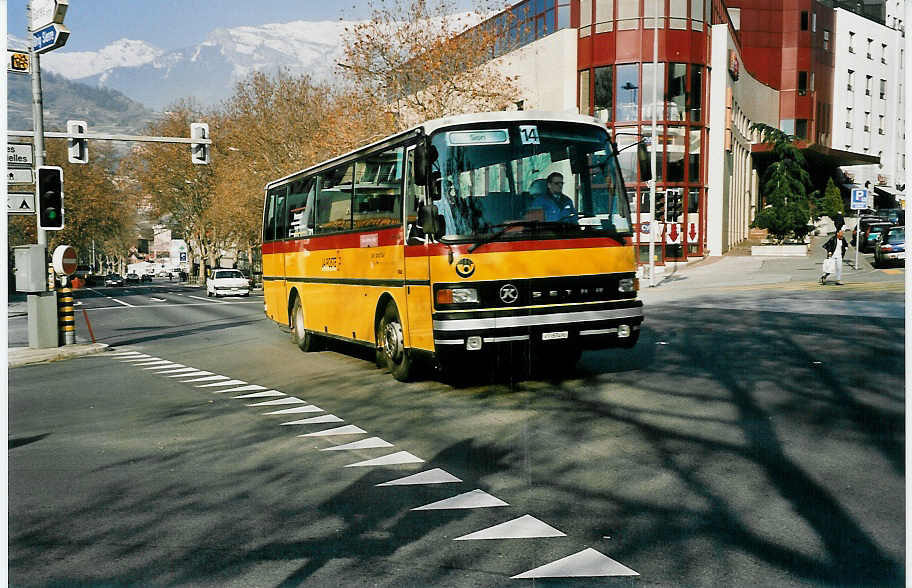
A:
{"x": 628, "y": 285}
{"x": 457, "y": 295}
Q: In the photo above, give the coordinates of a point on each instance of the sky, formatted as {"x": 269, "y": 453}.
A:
{"x": 175, "y": 24}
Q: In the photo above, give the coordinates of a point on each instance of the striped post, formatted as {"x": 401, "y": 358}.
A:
{"x": 66, "y": 316}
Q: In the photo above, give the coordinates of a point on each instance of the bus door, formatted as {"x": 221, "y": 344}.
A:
{"x": 417, "y": 270}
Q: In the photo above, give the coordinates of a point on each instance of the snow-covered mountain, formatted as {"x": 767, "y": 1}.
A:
{"x": 208, "y": 71}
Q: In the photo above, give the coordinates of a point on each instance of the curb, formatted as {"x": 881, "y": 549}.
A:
{"x": 21, "y": 356}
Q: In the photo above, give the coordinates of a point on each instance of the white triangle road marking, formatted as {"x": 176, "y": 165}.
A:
{"x": 297, "y": 409}
{"x": 472, "y": 499}
{"x": 178, "y": 371}
{"x": 398, "y": 458}
{"x": 288, "y": 400}
{"x": 191, "y": 374}
{"x": 371, "y": 443}
{"x": 205, "y": 379}
{"x": 240, "y": 389}
{"x": 326, "y": 418}
{"x": 162, "y": 367}
{"x": 435, "y": 476}
{"x": 586, "y": 563}
{"x": 525, "y": 527}
{"x": 264, "y": 394}
{"x": 346, "y": 430}
{"x": 225, "y": 383}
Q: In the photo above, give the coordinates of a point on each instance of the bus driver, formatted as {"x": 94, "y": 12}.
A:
{"x": 555, "y": 204}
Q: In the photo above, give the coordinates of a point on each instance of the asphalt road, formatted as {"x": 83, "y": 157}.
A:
{"x": 754, "y": 437}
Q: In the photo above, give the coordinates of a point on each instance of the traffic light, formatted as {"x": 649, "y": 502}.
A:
{"x": 660, "y": 206}
{"x": 49, "y": 198}
{"x": 78, "y": 149}
{"x": 199, "y": 152}
{"x": 674, "y": 205}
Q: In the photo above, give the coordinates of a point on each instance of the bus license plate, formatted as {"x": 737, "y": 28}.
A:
{"x": 554, "y": 335}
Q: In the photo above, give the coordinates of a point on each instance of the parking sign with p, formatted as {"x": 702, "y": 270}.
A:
{"x": 859, "y": 198}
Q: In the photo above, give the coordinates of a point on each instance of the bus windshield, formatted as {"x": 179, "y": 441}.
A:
{"x": 553, "y": 179}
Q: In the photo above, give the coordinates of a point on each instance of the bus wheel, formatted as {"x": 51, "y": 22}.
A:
{"x": 391, "y": 349}
{"x": 304, "y": 340}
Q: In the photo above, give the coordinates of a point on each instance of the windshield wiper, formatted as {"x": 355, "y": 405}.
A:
{"x": 504, "y": 227}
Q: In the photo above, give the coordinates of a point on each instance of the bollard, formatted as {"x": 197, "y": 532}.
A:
{"x": 66, "y": 316}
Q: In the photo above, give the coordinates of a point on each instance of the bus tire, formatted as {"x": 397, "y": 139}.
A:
{"x": 391, "y": 351}
{"x": 305, "y": 340}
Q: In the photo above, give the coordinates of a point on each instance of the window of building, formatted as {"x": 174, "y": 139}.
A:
{"x": 650, "y": 104}
{"x": 787, "y": 126}
{"x": 604, "y": 16}
{"x": 604, "y": 93}
{"x": 675, "y": 140}
{"x": 585, "y": 18}
{"x": 870, "y": 41}
{"x": 851, "y": 42}
{"x": 867, "y": 122}
{"x": 802, "y": 83}
{"x": 848, "y": 122}
{"x": 883, "y": 53}
{"x": 883, "y": 89}
{"x": 628, "y": 13}
{"x": 851, "y": 83}
{"x": 881, "y": 129}
{"x": 695, "y": 96}
{"x": 627, "y": 91}
{"x": 677, "y": 12}
{"x": 811, "y": 85}
{"x": 826, "y": 40}
{"x": 696, "y": 14}
{"x": 658, "y": 148}
{"x": 563, "y": 16}
{"x": 801, "y": 128}
{"x": 584, "y": 91}
{"x": 693, "y": 157}
{"x": 677, "y": 91}
{"x": 814, "y": 23}
{"x": 804, "y": 20}
{"x": 651, "y": 10}
{"x": 868, "y": 85}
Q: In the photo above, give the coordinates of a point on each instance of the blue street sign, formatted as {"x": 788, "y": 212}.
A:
{"x": 859, "y": 198}
{"x": 50, "y": 37}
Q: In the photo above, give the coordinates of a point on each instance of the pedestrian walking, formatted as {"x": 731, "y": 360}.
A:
{"x": 836, "y": 249}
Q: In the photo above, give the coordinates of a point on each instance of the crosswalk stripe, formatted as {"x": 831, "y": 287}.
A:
{"x": 137, "y": 358}
{"x": 206, "y": 379}
{"x": 226, "y": 383}
{"x": 586, "y": 563}
{"x": 162, "y": 367}
{"x": 241, "y": 389}
{"x": 297, "y": 409}
{"x": 192, "y": 374}
{"x": 473, "y": 499}
{"x": 346, "y": 430}
{"x": 525, "y": 527}
{"x": 288, "y": 400}
{"x": 265, "y": 394}
{"x": 122, "y": 353}
{"x": 371, "y": 443}
{"x": 156, "y": 362}
{"x": 177, "y": 371}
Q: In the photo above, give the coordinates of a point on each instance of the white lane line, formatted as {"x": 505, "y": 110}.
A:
{"x": 156, "y": 299}
{"x": 177, "y": 371}
{"x": 192, "y": 374}
{"x": 288, "y": 400}
{"x": 240, "y": 389}
{"x": 121, "y": 302}
{"x": 371, "y": 443}
{"x": 228, "y": 383}
{"x": 206, "y": 379}
{"x": 346, "y": 430}
{"x": 525, "y": 527}
{"x": 121, "y": 353}
{"x": 473, "y": 499}
{"x": 586, "y": 563}
{"x": 326, "y": 418}
{"x": 398, "y": 458}
{"x": 296, "y": 410}
{"x": 210, "y": 299}
{"x": 265, "y": 394}
{"x": 162, "y": 305}
{"x": 435, "y": 476}
{"x": 166, "y": 367}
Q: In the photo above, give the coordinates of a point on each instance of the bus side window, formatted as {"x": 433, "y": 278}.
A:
{"x": 298, "y": 194}
{"x": 269, "y": 213}
{"x": 414, "y": 198}
{"x": 281, "y": 222}
{"x": 334, "y": 202}
{"x": 378, "y": 185}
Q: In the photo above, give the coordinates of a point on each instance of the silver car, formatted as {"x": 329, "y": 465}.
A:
{"x": 227, "y": 282}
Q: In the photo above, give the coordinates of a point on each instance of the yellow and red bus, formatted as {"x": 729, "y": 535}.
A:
{"x": 441, "y": 243}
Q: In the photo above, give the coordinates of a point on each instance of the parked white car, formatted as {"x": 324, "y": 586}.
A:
{"x": 227, "y": 282}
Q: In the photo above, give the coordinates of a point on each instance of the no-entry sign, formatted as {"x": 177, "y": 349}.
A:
{"x": 64, "y": 260}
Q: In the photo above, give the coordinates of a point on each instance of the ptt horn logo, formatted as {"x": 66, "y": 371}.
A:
{"x": 465, "y": 267}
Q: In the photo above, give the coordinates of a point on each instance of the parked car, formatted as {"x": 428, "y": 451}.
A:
{"x": 132, "y": 278}
{"x": 891, "y": 247}
{"x": 114, "y": 280}
{"x": 146, "y": 278}
{"x": 863, "y": 223}
{"x": 897, "y": 216}
{"x": 227, "y": 282}
{"x": 870, "y": 235}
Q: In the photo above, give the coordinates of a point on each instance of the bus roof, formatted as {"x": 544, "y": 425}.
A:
{"x": 434, "y": 125}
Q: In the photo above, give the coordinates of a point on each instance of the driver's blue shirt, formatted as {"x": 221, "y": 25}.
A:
{"x": 555, "y": 209}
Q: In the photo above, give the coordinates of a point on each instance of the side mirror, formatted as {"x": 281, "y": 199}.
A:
{"x": 435, "y": 186}
{"x": 431, "y": 220}
{"x": 421, "y": 164}
{"x": 644, "y": 162}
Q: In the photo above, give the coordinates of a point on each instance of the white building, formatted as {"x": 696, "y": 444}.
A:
{"x": 868, "y": 95}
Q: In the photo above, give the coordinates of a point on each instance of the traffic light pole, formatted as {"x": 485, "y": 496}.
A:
{"x": 37, "y": 112}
